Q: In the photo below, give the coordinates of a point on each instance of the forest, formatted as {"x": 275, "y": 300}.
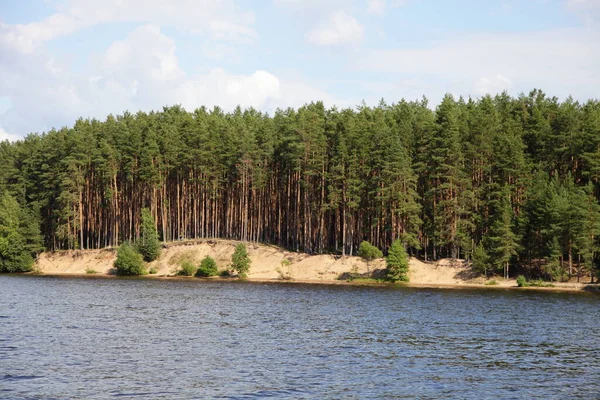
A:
{"x": 510, "y": 183}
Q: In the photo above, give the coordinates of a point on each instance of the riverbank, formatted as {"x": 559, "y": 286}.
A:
{"x": 271, "y": 263}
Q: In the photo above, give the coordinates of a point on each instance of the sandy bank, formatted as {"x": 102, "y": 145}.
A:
{"x": 273, "y": 263}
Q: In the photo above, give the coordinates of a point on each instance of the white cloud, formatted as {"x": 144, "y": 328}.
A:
{"x": 376, "y": 7}
{"x": 340, "y": 29}
{"x": 139, "y": 72}
{"x": 221, "y": 20}
{"x": 589, "y": 10}
{"x": 7, "y": 136}
{"x": 494, "y": 85}
{"x": 567, "y": 61}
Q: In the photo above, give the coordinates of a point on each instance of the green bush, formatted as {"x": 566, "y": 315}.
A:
{"x": 91, "y": 271}
{"x": 521, "y": 281}
{"x": 129, "y": 261}
{"x": 187, "y": 269}
{"x": 397, "y": 263}
{"x": 491, "y": 283}
{"x": 540, "y": 283}
{"x": 208, "y": 267}
{"x": 225, "y": 273}
{"x": 153, "y": 270}
{"x": 148, "y": 244}
{"x": 240, "y": 262}
{"x": 369, "y": 252}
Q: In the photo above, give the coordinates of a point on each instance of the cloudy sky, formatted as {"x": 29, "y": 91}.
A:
{"x": 62, "y": 59}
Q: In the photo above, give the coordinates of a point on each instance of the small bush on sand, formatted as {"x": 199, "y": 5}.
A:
{"x": 129, "y": 261}
{"x": 521, "y": 281}
{"x": 208, "y": 267}
{"x": 225, "y": 273}
{"x": 187, "y": 269}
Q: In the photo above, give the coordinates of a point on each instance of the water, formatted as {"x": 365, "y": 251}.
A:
{"x": 102, "y": 338}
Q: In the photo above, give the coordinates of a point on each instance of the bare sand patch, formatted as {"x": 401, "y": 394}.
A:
{"x": 273, "y": 263}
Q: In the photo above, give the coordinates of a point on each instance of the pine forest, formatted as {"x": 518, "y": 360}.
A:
{"x": 512, "y": 184}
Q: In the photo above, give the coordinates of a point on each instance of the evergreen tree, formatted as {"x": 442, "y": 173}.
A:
{"x": 368, "y": 252}
{"x": 397, "y": 263}
{"x": 148, "y": 244}
{"x": 240, "y": 262}
{"x": 503, "y": 243}
{"x": 19, "y": 236}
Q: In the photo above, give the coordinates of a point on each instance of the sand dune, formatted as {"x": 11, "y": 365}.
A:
{"x": 272, "y": 263}
{"x": 268, "y": 262}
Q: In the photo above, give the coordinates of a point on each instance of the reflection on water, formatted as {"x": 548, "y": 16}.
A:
{"x": 99, "y": 338}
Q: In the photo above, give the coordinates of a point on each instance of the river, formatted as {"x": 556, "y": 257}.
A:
{"x": 101, "y": 338}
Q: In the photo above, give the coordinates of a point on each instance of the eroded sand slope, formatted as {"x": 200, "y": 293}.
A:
{"x": 268, "y": 262}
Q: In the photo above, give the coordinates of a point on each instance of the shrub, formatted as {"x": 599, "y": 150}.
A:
{"x": 491, "y": 283}
{"x": 129, "y": 261}
{"x": 225, "y": 273}
{"x": 369, "y": 252}
{"x": 208, "y": 267}
{"x": 240, "y": 262}
{"x": 91, "y": 271}
{"x": 540, "y": 283}
{"x": 148, "y": 244}
{"x": 397, "y": 263}
{"x": 153, "y": 270}
{"x": 521, "y": 281}
{"x": 187, "y": 269}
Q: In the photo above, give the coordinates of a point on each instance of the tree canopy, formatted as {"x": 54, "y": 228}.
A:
{"x": 517, "y": 177}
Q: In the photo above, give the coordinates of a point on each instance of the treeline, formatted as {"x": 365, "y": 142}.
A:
{"x": 511, "y": 181}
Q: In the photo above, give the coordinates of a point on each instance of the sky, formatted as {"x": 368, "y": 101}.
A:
{"x": 65, "y": 59}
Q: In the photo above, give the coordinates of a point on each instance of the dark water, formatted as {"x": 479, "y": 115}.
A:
{"x": 103, "y": 338}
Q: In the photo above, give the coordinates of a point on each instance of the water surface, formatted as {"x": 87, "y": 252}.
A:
{"x": 102, "y": 338}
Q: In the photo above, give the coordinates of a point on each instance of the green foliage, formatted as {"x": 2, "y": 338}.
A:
{"x": 153, "y": 271}
{"x": 240, "y": 262}
{"x": 208, "y": 267}
{"x": 286, "y": 262}
{"x": 129, "y": 261}
{"x": 19, "y": 236}
{"x": 397, "y": 263}
{"x": 522, "y": 282}
{"x": 539, "y": 283}
{"x": 481, "y": 260}
{"x": 520, "y": 176}
{"x": 148, "y": 244}
{"x": 369, "y": 252}
{"x": 91, "y": 271}
{"x": 225, "y": 273}
{"x": 187, "y": 269}
{"x": 492, "y": 282}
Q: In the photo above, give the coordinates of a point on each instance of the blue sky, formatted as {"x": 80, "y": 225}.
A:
{"x": 63, "y": 59}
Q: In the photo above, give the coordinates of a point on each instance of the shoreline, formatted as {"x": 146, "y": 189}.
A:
{"x": 559, "y": 287}
{"x": 272, "y": 264}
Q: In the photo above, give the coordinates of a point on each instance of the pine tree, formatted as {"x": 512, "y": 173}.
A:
{"x": 397, "y": 263}
{"x": 503, "y": 243}
{"x": 240, "y": 262}
{"x": 20, "y": 239}
{"x": 148, "y": 244}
